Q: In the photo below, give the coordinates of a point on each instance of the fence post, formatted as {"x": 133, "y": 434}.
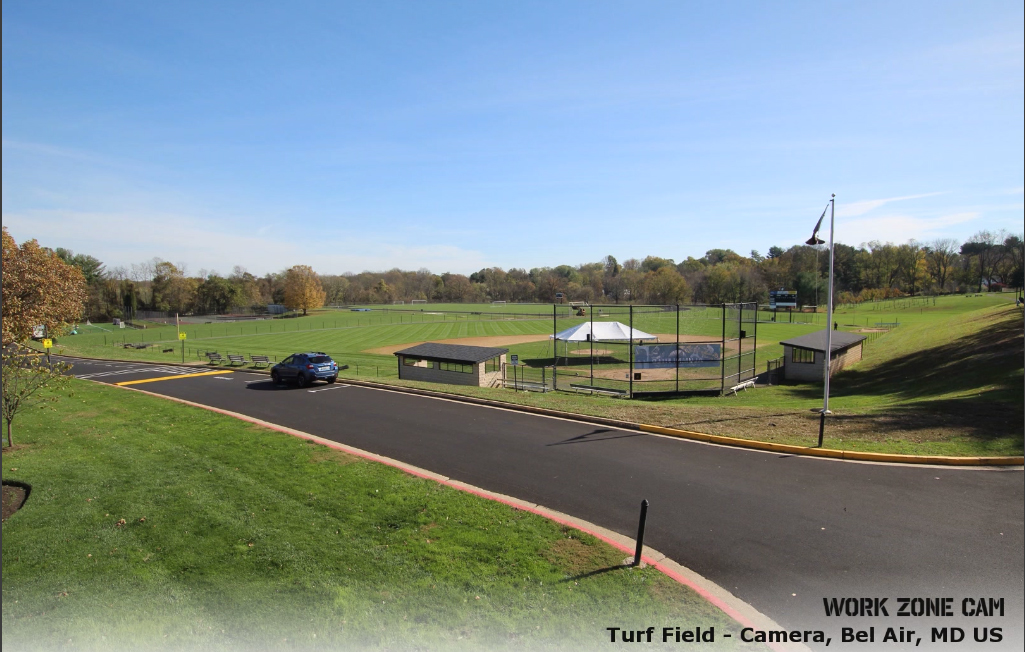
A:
{"x": 631, "y": 351}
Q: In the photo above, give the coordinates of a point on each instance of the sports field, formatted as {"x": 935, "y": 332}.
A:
{"x": 946, "y": 380}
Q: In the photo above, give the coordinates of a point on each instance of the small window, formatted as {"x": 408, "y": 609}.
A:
{"x": 417, "y": 362}
{"x": 457, "y": 367}
{"x": 802, "y": 356}
{"x": 288, "y": 360}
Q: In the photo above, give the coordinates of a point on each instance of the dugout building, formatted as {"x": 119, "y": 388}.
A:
{"x": 454, "y": 364}
{"x": 804, "y": 357}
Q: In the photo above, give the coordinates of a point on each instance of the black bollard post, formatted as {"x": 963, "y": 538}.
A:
{"x": 640, "y": 533}
{"x": 822, "y": 426}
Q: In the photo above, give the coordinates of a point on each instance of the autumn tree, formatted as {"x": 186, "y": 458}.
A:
{"x": 666, "y": 286}
{"x": 29, "y": 379}
{"x": 39, "y": 289}
{"x": 303, "y": 290}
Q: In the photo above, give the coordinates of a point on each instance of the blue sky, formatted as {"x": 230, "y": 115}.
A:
{"x": 459, "y": 135}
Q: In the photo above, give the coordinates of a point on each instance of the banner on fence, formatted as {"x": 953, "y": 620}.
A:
{"x": 665, "y": 356}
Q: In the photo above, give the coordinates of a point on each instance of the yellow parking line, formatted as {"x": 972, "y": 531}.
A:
{"x": 153, "y": 380}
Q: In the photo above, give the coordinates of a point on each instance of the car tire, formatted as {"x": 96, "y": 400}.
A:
{"x": 332, "y": 379}
{"x": 301, "y": 381}
{"x": 275, "y": 378}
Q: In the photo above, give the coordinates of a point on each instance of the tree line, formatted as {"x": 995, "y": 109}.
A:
{"x": 988, "y": 261}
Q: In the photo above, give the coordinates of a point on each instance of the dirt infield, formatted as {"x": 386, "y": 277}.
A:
{"x": 494, "y": 340}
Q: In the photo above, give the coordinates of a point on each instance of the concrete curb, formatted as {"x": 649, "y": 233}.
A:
{"x": 740, "y": 611}
{"x": 736, "y": 442}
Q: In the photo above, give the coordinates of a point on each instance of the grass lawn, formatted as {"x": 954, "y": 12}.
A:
{"x": 157, "y": 525}
{"x": 947, "y": 381}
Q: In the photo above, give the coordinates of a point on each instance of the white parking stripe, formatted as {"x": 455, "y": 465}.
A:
{"x": 324, "y": 389}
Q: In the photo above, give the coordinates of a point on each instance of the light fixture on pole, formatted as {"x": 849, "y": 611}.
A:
{"x": 814, "y": 240}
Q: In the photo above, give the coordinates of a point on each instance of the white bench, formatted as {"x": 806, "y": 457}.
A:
{"x": 744, "y": 385}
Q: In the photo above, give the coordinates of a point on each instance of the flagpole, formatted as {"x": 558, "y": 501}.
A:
{"x": 829, "y": 326}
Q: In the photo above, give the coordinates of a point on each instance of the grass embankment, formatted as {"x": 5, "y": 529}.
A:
{"x": 947, "y": 381}
{"x": 157, "y": 525}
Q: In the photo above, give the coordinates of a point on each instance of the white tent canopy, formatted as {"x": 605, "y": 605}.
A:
{"x": 605, "y": 331}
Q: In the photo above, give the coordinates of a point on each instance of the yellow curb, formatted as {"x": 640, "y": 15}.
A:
{"x": 834, "y": 453}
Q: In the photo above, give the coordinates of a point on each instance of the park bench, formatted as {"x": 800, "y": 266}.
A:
{"x": 232, "y": 359}
{"x": 524, "y": 386}
{"x": 618, "y": 393}
{"x": 744, "y": 385}
{"x": 887, "y": 324}
{"x": 214, "y": 357}
{"x": 258, "y": 360}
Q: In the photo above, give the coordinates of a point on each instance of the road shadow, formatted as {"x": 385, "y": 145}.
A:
{"x": 590, "y": 437}
{"x": 268, "y": 386}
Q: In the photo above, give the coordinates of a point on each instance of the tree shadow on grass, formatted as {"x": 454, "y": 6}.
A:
{"x": 991, "y": 357}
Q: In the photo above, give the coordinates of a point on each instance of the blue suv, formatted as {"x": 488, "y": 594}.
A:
{"x": 304, "y": 368}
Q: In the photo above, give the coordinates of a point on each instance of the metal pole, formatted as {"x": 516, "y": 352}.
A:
{"x": 722, "y": 354}
{"x": 555, "y": 349}
{"x": 631, "y": 351}
{"x": 829, "y": 315}
{"x": 754, "y": 350}
{"x": 677, "y": 356}
{"x": 590, "y": 338}
{"x": 640, "y": 532}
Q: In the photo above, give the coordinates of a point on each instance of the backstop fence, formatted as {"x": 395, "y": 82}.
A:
{"x": 662, "y": 350}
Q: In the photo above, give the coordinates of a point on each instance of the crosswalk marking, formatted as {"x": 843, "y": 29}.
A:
{"x": 138, "y": 370}
{"x": 175, "y": 377}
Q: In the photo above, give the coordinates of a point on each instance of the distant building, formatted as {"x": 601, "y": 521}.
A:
{"x": 275, "y": 309}
{"x": 454, "y": 364}
{"x": 804, "y": 357}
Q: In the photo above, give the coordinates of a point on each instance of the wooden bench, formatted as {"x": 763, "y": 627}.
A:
{"x": 744, "y": 385}
{"x": 258, "y": 360}
{"x": 618, "y": 393}
{"x": 240, "y": 359}
{"x": 214, "y": 357}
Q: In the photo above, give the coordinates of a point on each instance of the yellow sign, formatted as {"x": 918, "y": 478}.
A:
{"x": 181, "y": 335}
{"x": 47, "y": 343}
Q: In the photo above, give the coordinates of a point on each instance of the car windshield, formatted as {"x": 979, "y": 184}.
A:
{"x": 319, "y": 359}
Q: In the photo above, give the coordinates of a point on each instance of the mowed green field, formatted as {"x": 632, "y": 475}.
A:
{"x": 350, "y": 336}
{"x": 948, "y": 380}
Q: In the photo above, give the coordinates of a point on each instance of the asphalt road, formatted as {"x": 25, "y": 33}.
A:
{"x": 780, "y": 532}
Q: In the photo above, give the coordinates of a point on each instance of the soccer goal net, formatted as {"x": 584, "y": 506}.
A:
{"x": 397, "y": 303}
{"x": 419, "y": 301}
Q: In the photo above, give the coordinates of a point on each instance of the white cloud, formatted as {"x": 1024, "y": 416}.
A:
{"x": 125, "y": 238}
{"x": 866, "y": 205}
{"x": 900, "y": 228}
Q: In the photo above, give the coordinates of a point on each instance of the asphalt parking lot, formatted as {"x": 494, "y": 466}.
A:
{"x": 780, "y": 532}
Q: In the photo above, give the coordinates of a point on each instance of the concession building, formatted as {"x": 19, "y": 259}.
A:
{"x": 804, "y": 357}
{"x": 454, "y": 364}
